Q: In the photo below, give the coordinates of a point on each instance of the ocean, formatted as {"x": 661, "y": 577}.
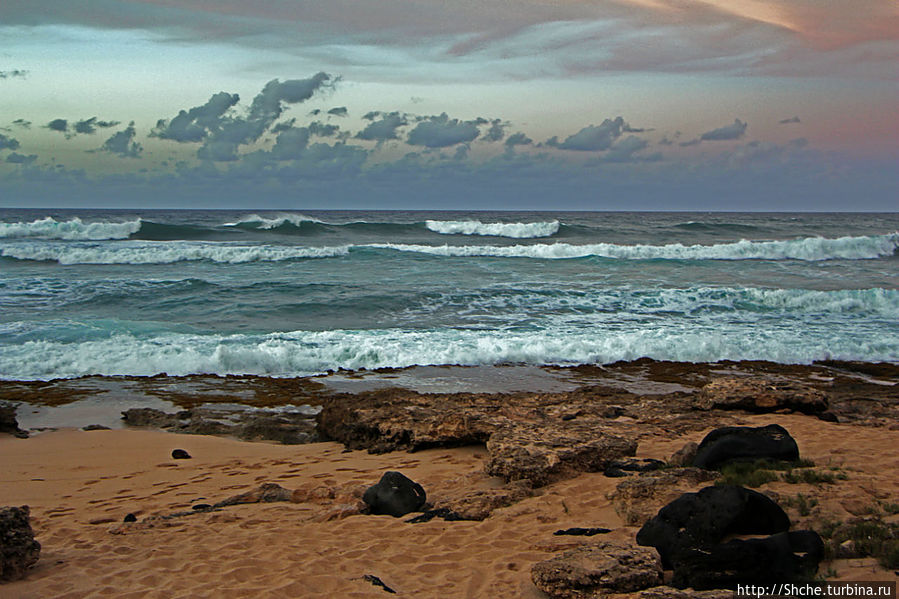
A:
{"x": 142, "y": 292}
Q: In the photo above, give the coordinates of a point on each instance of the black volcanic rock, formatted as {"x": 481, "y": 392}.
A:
{"x": 702, "y": 519}
{"x": 781, "y": 558}
{"x": 395, "y": 495}
{"x": 730, "y": 443}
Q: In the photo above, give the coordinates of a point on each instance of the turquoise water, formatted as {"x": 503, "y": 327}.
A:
{"x": 109, "y": 292}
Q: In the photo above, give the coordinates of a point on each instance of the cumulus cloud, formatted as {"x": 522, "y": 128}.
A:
{"x": 8, "y": 143}
{"x": 441, "y": 132}
{"x": 339, "y": 111}
{"x": 123, "y": 144}
{"x": 593, "y": 137}
{"x": 196, "y": 123}
{"x": 16, "y": 158}
{"x": 624, "y": 150}
{"x": 728, "y": 132}
{"x": 290, "y": 143}
{"x": 383, "y": 126}
{"x": 13, "y": 74}
{"x": 218, "y": 151}
{"x": 497, "y": 130}
{"x": 61, "y": 125}
{"x": 227, "y": 132}
{"x": 269, "y": 103}
{"x": 323, "y": 129}
{"x": 518, "y": 139}
{"x": 792, "y": 119}
{"x": 89, "y": 126}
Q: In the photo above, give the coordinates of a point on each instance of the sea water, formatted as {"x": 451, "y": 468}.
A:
{"x": 298, "y": 293}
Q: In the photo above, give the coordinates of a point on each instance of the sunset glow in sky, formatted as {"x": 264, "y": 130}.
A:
{"x": 522, "y": 104}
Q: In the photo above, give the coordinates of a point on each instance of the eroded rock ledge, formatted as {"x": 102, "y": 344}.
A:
{"x": 538, "y": 438}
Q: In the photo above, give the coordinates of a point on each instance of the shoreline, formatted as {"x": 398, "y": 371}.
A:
{"x": 100, "y": 399}
{"x": 81, "y": 484}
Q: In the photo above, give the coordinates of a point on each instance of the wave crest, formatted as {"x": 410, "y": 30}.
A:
{"x": 809, "y": 249}
{"x": 71, "y": 230}
{"x": 255, "y": 221}
{"x": 301, "y": 353}
{"x": 475, "y": 227}
{"x": 166, "y": 253}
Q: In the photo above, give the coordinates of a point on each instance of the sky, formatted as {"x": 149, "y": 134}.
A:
{"x": 431, "y": 104}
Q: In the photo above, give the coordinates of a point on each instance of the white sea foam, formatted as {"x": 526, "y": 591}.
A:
{"x": 164, "y": 253}
{"x": 303, "y": 353}
{"x": 616, "y": 303}
{"x": 475, "y": 227}
{"x": 73, "y": 229}
{"x": 274, "y": 222}
{"x": 809, "y": 248}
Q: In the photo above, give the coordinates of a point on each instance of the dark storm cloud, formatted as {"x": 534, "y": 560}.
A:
{"x": 123, "y": 144}
{"x": 13, "y": 74}
{"x": 196, "y": 123}
{"x": 8, "y": 143}
{"x": 441, "y": 132}
{"x": 339, "y": 111}
{"x": 792, "y": 119}
{"x": 16, "y": 158}
{"x": 383, "y": 126}
{"x": 25, "y": 124}
{"x": 89, "y": 126}
{"x": 518, "y": 139}
{"x": 592, "y": 137}
{"x": 728, "y": 132}
{"x": 61, "y": 125}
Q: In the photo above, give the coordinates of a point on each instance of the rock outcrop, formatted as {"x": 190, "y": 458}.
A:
{"x": 761, "y": 395}
{"x": 18, "y": 549}
{"x": 744, "y": 443}
{"x": 284, "y": 427}
{"x": 543, "y": 454}
{"x": 596, "y": 569}
{"x": 631, "y": 466}
{"x": 526, "y": 440}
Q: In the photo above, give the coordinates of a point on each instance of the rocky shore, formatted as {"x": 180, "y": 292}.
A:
{"x": 499, "y": 474}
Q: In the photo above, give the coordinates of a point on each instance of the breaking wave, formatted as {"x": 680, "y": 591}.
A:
{"x": 166, "y": 253}
{"x": 513, "y": 230}
{"x": 303, "y": 353}
{"x": 810, "y": 248}
{"x": 255, "y": 221}
{"x": 74, "y": 229}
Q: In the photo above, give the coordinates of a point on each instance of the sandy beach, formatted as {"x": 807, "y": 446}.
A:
{"x": 81, "y": 484}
